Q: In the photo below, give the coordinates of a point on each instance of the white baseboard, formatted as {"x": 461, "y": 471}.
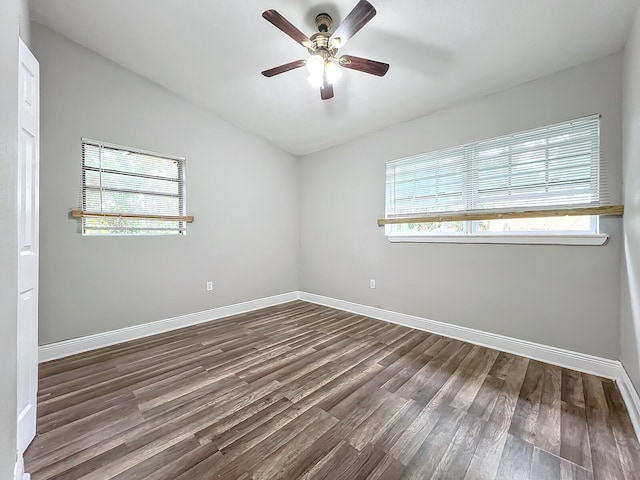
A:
{"x": 557, "y": 356}
{"x": 18, "y": 470}
{"x": 630, "y": 397}
{"x": 65, "y": 348}
{"x": 582, "y": 362}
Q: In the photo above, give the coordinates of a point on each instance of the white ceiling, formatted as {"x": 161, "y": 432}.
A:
{"x": 440, "y": 52}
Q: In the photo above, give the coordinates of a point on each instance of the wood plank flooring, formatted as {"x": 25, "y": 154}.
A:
{"x": 301, "y": 391}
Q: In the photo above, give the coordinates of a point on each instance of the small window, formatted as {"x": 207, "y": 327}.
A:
{"x": 551, "y": 168}
{"x": 127, "y": 191}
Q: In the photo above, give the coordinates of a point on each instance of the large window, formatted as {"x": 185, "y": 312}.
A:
{"x": 126, "y": 191}
{"x": 555, "y": 168}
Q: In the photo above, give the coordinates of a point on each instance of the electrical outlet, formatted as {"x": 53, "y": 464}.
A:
{"x": 372, "y": 283}
{"x": 209, "y": 286}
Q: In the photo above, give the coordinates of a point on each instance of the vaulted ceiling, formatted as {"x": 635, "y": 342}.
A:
{"x": 441, "y": 52}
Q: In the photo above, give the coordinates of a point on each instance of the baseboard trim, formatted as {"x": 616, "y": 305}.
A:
{"x": 73, "y": 346}
{"x": 582, "y": 362}
{"x": 554, "y": 355}
{"x": 630, "y": 397}
{"x": 557, "y": 356}
{"x": 18, "y": 469}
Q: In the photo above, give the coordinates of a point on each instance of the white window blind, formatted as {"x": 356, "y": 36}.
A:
{"x": 549, "y": 168}
{"x": 126, "y": 181}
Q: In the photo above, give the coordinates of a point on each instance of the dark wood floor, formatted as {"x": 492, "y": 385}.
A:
{"x": 301, "y": 391}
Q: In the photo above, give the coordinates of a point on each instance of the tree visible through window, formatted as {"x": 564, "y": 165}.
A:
{"x": 129, "y": 182}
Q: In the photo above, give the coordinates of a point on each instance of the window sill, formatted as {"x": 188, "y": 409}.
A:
{"x": 584, "y": 239}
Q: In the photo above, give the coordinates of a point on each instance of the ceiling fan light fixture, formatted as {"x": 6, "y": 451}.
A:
{"x": 324, "y": 67}
{"x": 333, "y": 72}
{"x": 316, "y": 79}
{"x": 315, "y": 65}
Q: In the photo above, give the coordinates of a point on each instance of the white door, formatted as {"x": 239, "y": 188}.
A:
{"x": 28, "y": 215}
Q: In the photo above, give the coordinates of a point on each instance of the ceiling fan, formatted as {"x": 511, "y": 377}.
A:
{"x": 323, "y": 64}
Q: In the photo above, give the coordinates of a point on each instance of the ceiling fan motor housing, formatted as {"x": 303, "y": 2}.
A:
{"x": 323, "y": 22}
{"x": 320, "y": 40}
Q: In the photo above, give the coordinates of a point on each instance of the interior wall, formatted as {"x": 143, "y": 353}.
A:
{"x": 241, "y": 189}
{"x": 564, "y": 296}
{"x": 24, "y": 21}
{"x": 630, "y": 285}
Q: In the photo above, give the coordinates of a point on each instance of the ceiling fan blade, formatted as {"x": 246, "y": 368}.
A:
{"x": 287, "y": 27}
{"x": 364, "y": 65}
{"x": 284, "y": 68}
{"x": 357, "y": 18}
{"x": 326, "y": 91}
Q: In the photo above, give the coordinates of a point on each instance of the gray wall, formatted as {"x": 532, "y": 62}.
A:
{"x": 24, "y": 21}
{"x": 630, "y": 287}
{"x": 241, "y": 189}
{"x": 565, "y": 296}
{"x": 12, "y": 13}
{"x": 557, "y": 295}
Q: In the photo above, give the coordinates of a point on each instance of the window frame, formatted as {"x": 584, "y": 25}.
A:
{"x": 470, "y": 191}
{"x": 142, "y": 230}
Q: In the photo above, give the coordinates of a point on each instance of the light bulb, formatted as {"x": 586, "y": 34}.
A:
{"x": 333, "y": 72}
{"x": 315, "y": 64}
{"x": 316, "y": 79}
